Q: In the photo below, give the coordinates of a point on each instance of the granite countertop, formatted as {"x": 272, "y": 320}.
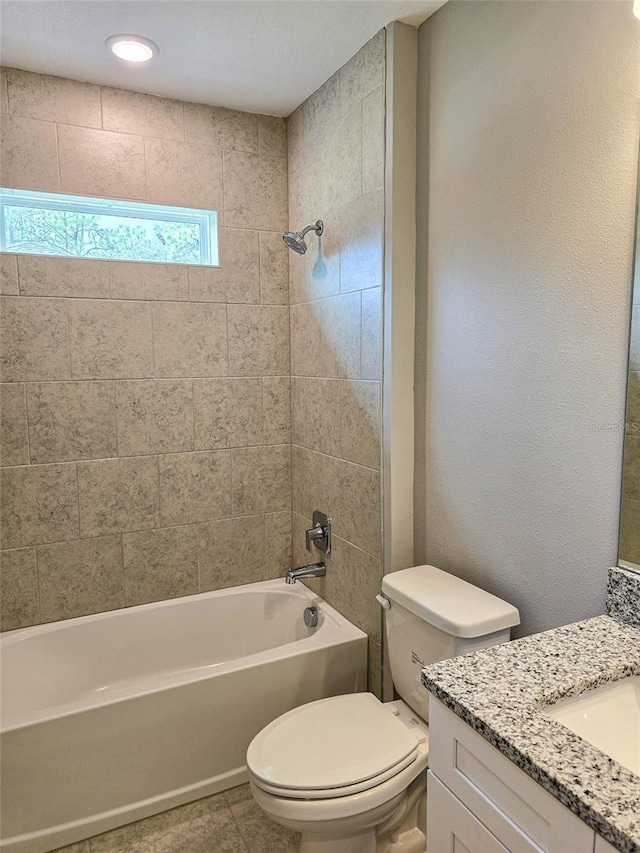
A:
{"x": 502, "y": 692}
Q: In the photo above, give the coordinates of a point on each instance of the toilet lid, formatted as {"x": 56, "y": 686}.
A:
{"x": 333, "y": 743}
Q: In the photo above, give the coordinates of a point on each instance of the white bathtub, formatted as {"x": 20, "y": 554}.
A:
{"x": 110, "y": 718}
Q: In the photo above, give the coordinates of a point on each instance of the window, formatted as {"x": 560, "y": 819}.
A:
{"x": 76, "y": 226}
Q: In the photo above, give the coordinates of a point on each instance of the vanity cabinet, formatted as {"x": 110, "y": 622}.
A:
{"x": 480, "y": 802}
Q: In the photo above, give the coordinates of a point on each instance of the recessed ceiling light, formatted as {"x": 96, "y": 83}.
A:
{"x": 132, "y": 48}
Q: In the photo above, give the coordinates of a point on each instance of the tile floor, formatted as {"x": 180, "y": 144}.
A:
{"x": 229, "y": 822}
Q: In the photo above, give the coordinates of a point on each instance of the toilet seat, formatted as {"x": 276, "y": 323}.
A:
{"x": 332, "y": 748}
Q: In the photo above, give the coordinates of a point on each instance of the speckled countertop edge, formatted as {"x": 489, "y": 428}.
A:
{"x": 623, "y": 595}
{"x": 502, "y": 692}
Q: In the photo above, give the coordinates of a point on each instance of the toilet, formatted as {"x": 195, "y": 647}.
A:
{"x": 349, "y": 772}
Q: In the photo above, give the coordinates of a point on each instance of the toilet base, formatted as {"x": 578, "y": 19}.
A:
{"x": 363, "y": 842}
{"x": 404, "y": 831}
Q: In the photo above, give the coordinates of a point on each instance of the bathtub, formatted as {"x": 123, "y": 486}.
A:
{"x": 109, "y": 718}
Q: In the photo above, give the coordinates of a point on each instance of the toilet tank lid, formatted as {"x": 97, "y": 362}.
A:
{"x": 449, "y": 603}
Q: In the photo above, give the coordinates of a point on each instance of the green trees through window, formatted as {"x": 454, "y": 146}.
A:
{"x": 50, "y": 224}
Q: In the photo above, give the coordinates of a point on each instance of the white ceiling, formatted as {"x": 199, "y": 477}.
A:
{"x": 260, "y": 55}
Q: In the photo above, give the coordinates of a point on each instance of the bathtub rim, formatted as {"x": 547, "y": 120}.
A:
{"x": 333, "y": 619}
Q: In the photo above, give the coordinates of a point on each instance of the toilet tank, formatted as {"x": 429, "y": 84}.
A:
{"x": 433, "y": 615}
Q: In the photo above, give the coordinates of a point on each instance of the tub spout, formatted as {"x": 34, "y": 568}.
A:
{"x": 313, "y": 570}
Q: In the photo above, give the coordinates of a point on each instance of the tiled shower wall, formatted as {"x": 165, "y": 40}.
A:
{"x": 145, "y": 407}
{"x": 336, "y": 173}
{"x": 630, "y": 527}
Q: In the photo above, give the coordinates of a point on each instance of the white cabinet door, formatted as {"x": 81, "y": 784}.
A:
{"x": 603, "y": 846}
{"x": 514, "y": 808}
{"x": 451, "y": 828}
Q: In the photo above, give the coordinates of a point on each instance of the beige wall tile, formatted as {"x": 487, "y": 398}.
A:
{"x": 232, "y": 552}
{"x": 14, "y": 439}
{"x": 44, "y": 276}
{"x": 53, "y": 98}
{"x": 336, "y": 155}
{"x": 183, "y": 174}
{"x": 308, "y": 484}
{"x": 237, "y": 279}
{"x": 371, "y": 334}
{"x": 101, "y": 163}
{"x": 361, "y": 241}
{"x": 363, "y": 73}
{"x": 278, "y": 558}
{"x": 277, "y": 409}
{"x": 322, "y": 108}
{"x": 8, "y": 275}
{"x": 136, "y": 280}
{"x": 223, "y": 128}
{"x": 255, "y": 191}
{"x": 35, "y": 343}
{"x": 39, "y": 504}
{"x": 315, "y": 414}
{"x": 342, "y": 161}
{"x": 360, "y": 423}
{"x": 77, "y": 578}
{"x": 71, "y": 420}
{"x": 272, "y": 136}
{"x": 195, "y": 487}
{"x": 295, "y": 131}
{"x": 29, "y": 154}
{"x": 274, "y": 269}
{"x": 306, "y": 179}
{"x": 154, "y": 416}
{"x": 300, "y": 555}
{"x": 258, "y": 340}
{"x": 339, "y": 319}
{"x": 117, "y": 495}
{"x": 352, "y": 493}
{"x": 19, "y": 603}
{"x": 228, "y": 413}
{"x": 261, "y": 479}
{"x": 316, "y": 274}
{"x": 110, "y": 340}
{"x": 190, "y": 340}
{"x": 4, "y": 99}
{"x": 630, "y": 531}
{"x": 146, "y": 115}
{"x": 352, "y": 585}
{"x": 160, "y": 564}
{"x": 374, "y": 669}
{"x": 306, "y": 340}
{"x": 373, "y": 141}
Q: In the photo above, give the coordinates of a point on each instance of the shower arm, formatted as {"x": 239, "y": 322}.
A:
{"x": 318, "y": 227}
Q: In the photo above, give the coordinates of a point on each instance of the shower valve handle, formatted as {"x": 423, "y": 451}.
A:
{"x": 320, "y": 534}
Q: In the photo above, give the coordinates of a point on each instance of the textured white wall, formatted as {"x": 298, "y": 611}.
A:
{"x": 528, "y": 145}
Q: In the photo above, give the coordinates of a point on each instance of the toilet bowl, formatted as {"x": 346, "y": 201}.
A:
{"x": 343, "y": 771}
{"x": 349, "y": 772}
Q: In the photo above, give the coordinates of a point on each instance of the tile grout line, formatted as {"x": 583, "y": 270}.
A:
{"x": 159, "y": 453}
{"x": 57, "y": 127}
{"x": 39, "y": 596}
{"x": 26, "y": 413}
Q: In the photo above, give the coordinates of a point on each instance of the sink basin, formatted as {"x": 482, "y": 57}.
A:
{"x": 607, "y": 717}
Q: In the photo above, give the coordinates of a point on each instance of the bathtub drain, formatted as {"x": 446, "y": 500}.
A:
{"x": 310, "y": 617}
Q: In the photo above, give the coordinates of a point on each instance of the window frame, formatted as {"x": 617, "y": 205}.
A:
{"x": 206, "y": 220}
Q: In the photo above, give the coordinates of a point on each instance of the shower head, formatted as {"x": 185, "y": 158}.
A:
{"x": 295, "y": 239}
